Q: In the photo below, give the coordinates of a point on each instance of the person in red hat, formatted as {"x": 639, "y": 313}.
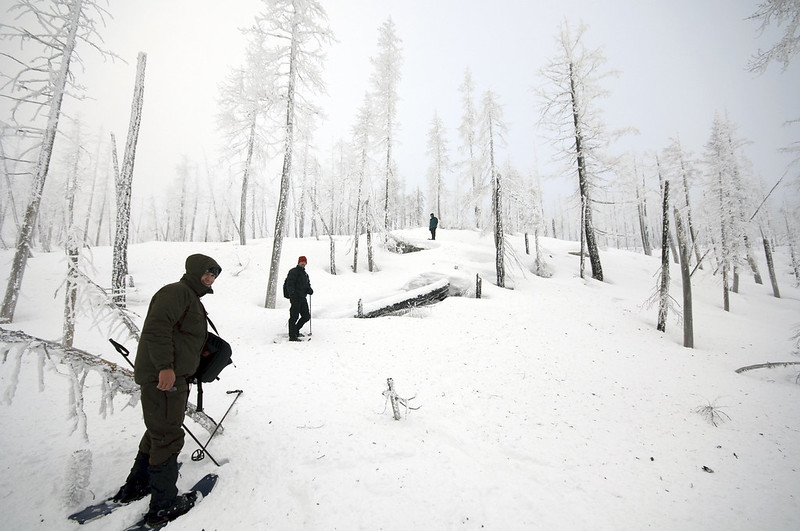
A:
{"x": 295, "y": 288}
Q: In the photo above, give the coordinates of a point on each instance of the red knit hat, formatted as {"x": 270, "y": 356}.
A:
{"x": 302, "y": 260}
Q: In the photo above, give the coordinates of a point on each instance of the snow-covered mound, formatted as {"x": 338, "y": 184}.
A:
{"x": 551, "y": 404}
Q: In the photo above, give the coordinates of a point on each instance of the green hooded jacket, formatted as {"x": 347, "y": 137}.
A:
{"x": 175, "y": 329}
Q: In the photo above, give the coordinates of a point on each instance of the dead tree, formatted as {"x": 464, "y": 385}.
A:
{"x": 116, "y": 379}
{"x": 771, "y": 267}
{"x": 663, "y": 298}
{"x": 686, "y": 280}
{"x": 123, "y": 181}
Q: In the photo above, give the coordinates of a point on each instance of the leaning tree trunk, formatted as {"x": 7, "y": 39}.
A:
{"x": 751, "y": 260}
{"x": 25, "y": 236}
{"x": 102, "y": 212}
{"x": 583, "y": 182}
{"x": 123, "y": 184}
{"x": 686, "y": 280}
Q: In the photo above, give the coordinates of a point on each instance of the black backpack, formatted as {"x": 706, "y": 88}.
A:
{"x": 216, "y": 356}
{"x": 286, "y": 294}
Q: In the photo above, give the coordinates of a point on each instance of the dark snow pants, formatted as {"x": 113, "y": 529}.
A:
{"x": 163, "y": 412}
{"x": 298, "y": 308}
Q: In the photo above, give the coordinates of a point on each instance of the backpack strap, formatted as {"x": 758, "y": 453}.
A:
{"x": 211, "y": 322}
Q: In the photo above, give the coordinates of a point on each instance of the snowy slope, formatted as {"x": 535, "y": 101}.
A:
{"x": 554, "y": 404}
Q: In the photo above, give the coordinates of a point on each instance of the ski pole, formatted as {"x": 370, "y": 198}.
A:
{"x": 309, "y": 316}
{"x": 199, "y": 454}
{"x": 205, "y": 452}
{"x": 125, "y": 353}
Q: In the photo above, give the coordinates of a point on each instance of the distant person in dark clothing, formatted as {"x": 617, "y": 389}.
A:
{"x": 170, "y": 347}
{"x": 432, "y": 226}
{"x": 298, "y": 285}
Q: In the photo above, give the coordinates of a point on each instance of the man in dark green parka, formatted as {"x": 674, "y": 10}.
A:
{"x": 171, "y": 343}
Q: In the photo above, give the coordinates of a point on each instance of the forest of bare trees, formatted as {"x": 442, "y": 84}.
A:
{"x": 273, "y": 181}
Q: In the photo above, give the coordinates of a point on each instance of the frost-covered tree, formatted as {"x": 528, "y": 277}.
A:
{"x": 385, "y": 79}
{"x": 468, "y": 131}
{"x": 36, "y": 87}
{"x": 8, "y": 207}
{"x": 122, "y": 185}
{"x": 245, "y": 99}
{"x": 680, "y": 166}
{"x": 361, "y": 143}
{"x": 493, "y": 129}
{"x": 71, "y": 243}
{"x": 570, "y": 110}
{"x": 440, "y": 162}
{"x": 725, "y": 196}
{"x": 786, "y": 15}
{"x": 298, "y": 32}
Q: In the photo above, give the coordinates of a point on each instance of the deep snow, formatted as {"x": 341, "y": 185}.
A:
{"x": 554, "y": 404}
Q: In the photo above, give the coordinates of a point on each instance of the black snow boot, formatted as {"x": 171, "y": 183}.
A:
{"x": 137, "y": 486}
{"x": 165, "y": 504}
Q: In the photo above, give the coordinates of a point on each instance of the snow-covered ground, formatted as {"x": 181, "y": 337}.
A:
{"x": 554, "y": 404}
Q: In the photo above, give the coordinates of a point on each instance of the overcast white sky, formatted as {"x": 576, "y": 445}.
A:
{"x": 680, "y": 61}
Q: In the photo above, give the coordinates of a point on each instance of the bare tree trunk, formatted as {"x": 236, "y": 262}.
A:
{"x": 792, "y": 250}
{"x": 214, "y": 210}
{"x": 71, "y": 247}
{"x": 103, "y": 207}
{"x": 370, "y": 254}
{"x": 388, "y": 178}
{"x": 771, "y": 267}
{"x": 500, "y": 265}
{"x": 686, "y": 279}
{"x": 123, "y": 183}
{"x": 286, "y": 174}
{"x": 248, "y": 161}
{"x": 751, "y": 259}
{"x": 499, "y": 238}
{"x": 23, "y": 247}
{"x": 583, "y": 182}
{"x": 724, "y": 261}
{"x": 582, "y": 238}
{"x": 91, "y": 195}
{"x": 10, "y": 203}
{"x": 357, "y": 233}
{"x": 689, "y": 222}
{"x": 663, "y": 299}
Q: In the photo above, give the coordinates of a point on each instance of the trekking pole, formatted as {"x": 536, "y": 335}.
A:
{"x": 200, "y": 453}
{"x": 125, "y": 353}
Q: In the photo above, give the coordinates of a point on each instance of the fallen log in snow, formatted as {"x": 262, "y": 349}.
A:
{"x": 768, "y": 365}
{"x": 415, "y": 298}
